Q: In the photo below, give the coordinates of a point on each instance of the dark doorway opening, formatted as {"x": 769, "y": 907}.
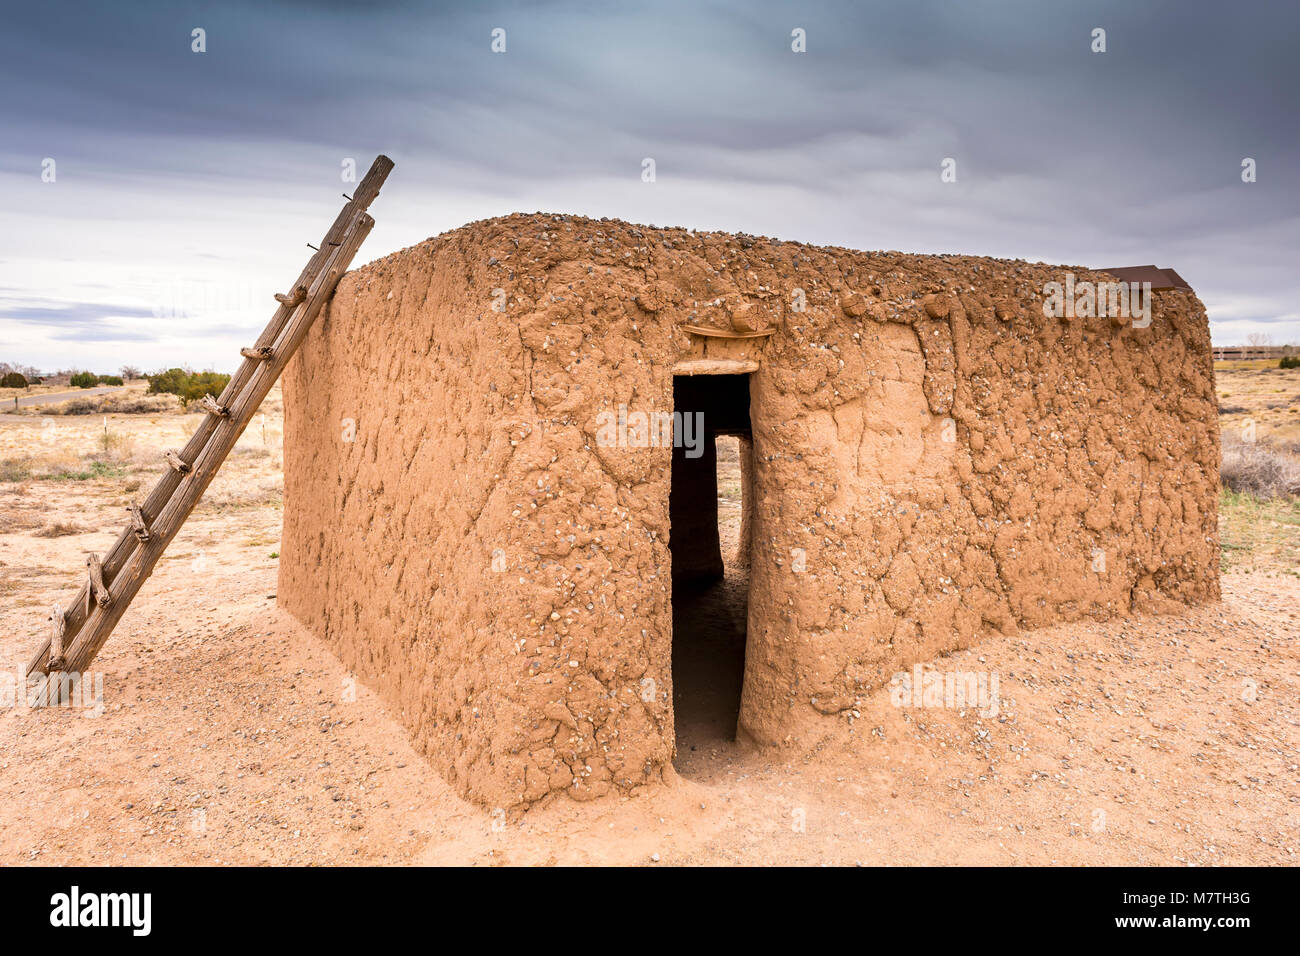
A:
{"x": 710, "y": 511}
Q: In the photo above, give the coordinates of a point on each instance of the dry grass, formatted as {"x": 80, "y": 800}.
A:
{"x": 1259, "y": 512}
{"x": 16, "y": 517}
{"x": 119, "y": 448}
{"x": 86, "y": 453}
{"x": 1259, "y": 534}
{"x": 15, "y": 469}
{"x": 89, "y": 470}
{"x": 1259, "y": 468}
{"x": 131, "y": 403}
{"x": 62, "y": 467}
{"x": 58, "y": 529}
{"x": 1259, "y": 398}
{"x": 1248, "y": 365}
{"x": 231, "y": 492}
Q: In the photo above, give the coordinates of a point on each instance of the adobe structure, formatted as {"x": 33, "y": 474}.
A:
{"x": 928, "y": 458}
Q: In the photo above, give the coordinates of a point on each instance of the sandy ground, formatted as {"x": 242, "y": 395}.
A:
{"x": 1261, "y": 396}
{"x": 229, "y": 735}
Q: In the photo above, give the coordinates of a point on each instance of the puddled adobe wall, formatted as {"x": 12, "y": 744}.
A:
{"x": 933, "y": 460}
{"x": 954, "y": 463}
{"x": 516, "y": 682}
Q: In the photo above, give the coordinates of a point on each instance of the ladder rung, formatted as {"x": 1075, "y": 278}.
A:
{"x": 97, "y": 587}
{"x": 79, "y": 632}
{"x": 59, "y": 626}
{"x": 178, "y": 463}
{"x": 293, "y": 298}
{"x": 138, "y": 525}
{"x": 212, "y": 407}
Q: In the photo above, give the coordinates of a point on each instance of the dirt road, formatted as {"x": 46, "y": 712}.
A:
{"x": 51, "y": 398}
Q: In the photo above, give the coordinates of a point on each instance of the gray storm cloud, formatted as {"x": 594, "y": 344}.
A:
{"x": 215, "y": 167}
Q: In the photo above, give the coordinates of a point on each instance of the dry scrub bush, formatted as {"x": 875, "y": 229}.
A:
{"x": 115, "y": 405}
{"x": 16, "y": 469}
{"x": 16, "y": 519}
{"x": 58, "y": 529}
{"x": 244, "y": 493}
{"x": 64, "y": 465}
{"x": 1259, "y": 468}
{"x": 115, "y": 447}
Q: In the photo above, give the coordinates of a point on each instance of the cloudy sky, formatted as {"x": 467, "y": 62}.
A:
{"x": 186, "y": 185}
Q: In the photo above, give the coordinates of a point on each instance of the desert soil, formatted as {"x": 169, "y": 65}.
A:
{"x": 1262, "y": 395}
{"x": 229, "y": 735}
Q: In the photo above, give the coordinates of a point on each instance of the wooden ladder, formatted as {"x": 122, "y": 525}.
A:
{"x": 77, "y": 634}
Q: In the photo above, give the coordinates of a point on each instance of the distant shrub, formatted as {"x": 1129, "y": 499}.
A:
{"x": 84, "y": 380}
{"x": 15, "y": 469}
{"x": 114, "y": 403}
{"x": 186, "y": 385}
{"x": 13, "y": 380}
{"x": 1289, "y": 361}
{"x": 171, "y": 380}
{"x": 58, "y": 529}
{"x": 110, "y": 379}
{"x": 1259, "y": 468}
{"x": 88, "y": 472}
{"x": 205, "y": 383}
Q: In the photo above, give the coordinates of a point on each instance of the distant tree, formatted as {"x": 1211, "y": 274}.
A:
{"x": 130, "y": 372}
{"x": 1259, "y": 343}
{"x": 168, "y": 380}
{"x": 188, "y": 385}
{"x": 204, "y": 383}
{"x": 109, "y": 379}
{"x": 84, "y": 380}
{"x": 13, "y": 380}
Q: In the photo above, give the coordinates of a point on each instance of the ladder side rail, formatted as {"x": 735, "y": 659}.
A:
{"x": 121, "y": 549}
{"x": 82, "y": 649}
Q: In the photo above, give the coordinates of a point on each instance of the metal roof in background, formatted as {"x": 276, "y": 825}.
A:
{"x": 1159, "y": 278}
